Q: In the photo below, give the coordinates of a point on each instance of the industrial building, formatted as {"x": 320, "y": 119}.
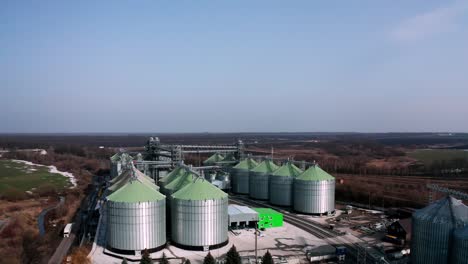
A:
{"x": 241, "y": 216}
{"x": 199, "y": 214}
{"x": 399, "y": 231}
{"x": 433, "y": 230}
{"x": 259, "y": 178}
{"x": 117, "y": 161}
{"x": 281, "y": 184}
{"x": 240, "y": 175}
{"x": 268, "y": 218}
{"x": 314, "y": 192}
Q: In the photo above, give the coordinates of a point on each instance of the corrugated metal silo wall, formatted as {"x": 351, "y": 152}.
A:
{"x": 314, "y": 197}
{"x": 136, "y": 226}
{"x": 240, "y": 181}
{"x": 460, "y": 250}
{"x": 258, "y": 185}
{"x": 200, "y": 222}
{"x": 281, "y": 190}
{"x": 430, "y": 242}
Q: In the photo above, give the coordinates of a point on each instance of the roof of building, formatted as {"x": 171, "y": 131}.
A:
{"x": 266, "y": 166}
{"x": 240, "y": 209}
{"x": 214, "y": 158}
{"x": 315, "y": 173}
{"x": 135, "y": 191}
{"x": 266, "y": 211}
{"x": 199, "y": 189}
{"x": 445, "y": 210}
{"x": 405, "y": 224}
{"x": 287, "y": 170}
{"x": 246, "y": 164}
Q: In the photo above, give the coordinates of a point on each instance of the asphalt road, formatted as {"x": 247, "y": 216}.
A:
{"x": 62, "y": 250}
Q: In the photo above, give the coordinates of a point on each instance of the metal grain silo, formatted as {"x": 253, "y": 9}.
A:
{"x": 136, "y": 218}
{"x": 199, "y": 216}
{"x": 314, "y": 191}
{"x": 432, "y": 230}
{"x": 460, "y": 246}
{"x": 213, "y": 159}
{"x": 240, "y": 176}
{"x": 281, "y": 184}
{"x": 259, "y": 178}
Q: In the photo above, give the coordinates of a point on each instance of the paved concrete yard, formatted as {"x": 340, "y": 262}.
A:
{"x": 288, "y": 241}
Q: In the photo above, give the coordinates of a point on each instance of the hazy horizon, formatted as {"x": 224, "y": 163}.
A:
{"x": 233, "y": 67}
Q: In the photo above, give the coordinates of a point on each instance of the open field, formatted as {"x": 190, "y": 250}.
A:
{"x": 24, "y": 177}
{"x": 429, "y": 156}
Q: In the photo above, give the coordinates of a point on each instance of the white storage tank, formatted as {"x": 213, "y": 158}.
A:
{"x": 259, "y": 178}
{"x": 199, "y": 216}
{"x": 314, "y": 192}
{"x": 460, "y": 246}
{"x": 136, "y": 218}
{"x": 432, "y": 230}
{"x": 240, "y": 176}
{"x": 281, "y": 184}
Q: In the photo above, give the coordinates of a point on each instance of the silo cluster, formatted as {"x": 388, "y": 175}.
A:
{"x": 136, "y": 217}
{"x": 439, "y": 233}
{"x": 240, "y": 176}
{"x": 311, "y": 191}
{"x": 314, "y": 192}
{"x": 259, "y": 178}
{"x": 281, "y": 184}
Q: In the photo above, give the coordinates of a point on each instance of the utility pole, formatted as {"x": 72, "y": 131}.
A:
{"x": 256, "y": 256}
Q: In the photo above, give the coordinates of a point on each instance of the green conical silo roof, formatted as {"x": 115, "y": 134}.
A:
{"x": 135, "y": 191}
{"x": 116, "y": 157}
{"x": 229, "y": 157}
{"x": 315, "y": 173}
{"x": 127, "y": 175}
{"x": 181, "y": 181}
{"x": 266, "y": 166}
{"x": 199, "y": 189}
{"x": 178, "y": 171}
{"x": 213, "y": 159}
{"x": 246, "y": 164}
{"x": 287, "y": 170}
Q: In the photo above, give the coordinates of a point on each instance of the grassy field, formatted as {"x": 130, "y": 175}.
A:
{"x": 24, "y": 177}
{"x": 429, "y": 156}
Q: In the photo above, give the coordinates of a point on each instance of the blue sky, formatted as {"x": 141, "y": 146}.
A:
{"x": 233, "y": 66}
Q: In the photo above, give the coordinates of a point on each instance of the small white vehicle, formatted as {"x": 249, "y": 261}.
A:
{"x": 67, "y": 230}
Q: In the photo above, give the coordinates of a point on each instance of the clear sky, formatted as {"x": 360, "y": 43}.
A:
{"x": 233, "y": 66}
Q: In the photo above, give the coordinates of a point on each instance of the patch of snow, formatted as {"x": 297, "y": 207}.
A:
{"x": 52, "y": 169}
